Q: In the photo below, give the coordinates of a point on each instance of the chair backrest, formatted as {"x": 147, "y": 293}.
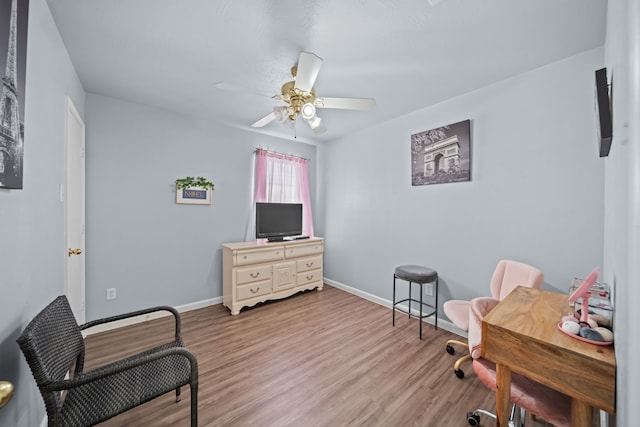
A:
{"x": 51, "y": 343}
{"x": 510, "y": 274}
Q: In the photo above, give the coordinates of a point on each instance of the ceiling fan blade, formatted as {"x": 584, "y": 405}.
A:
{"x": 346, "y": 103}
{"x": 265, "y": 120}
{"x": 309, "y": 65}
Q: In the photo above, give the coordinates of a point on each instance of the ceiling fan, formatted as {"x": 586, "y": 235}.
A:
{"x": 300, "y": 97}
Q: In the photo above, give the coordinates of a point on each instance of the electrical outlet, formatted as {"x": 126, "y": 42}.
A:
{"x": 428, "y": 290}
{"x": 111, "y": 293}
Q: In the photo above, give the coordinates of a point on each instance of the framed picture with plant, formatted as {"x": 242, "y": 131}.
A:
{"x": 194, "y": 191}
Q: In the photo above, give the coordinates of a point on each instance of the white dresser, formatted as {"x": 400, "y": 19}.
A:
{"x": 254, "y": 272}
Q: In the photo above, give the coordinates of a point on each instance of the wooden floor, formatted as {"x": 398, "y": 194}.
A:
{"x": 324, "y": 358}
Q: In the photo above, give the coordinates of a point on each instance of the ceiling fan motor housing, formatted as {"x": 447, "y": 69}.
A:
{"x": 296, "y": 98}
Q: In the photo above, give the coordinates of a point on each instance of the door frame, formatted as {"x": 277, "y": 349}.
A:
{"x": 74, "y": 291}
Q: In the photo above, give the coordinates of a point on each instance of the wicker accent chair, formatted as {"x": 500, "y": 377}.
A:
{"x": 53, "y": 342}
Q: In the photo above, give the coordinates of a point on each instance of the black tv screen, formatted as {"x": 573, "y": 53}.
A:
{"x": 603, "y": 112}
{"x": 274, "y": 221}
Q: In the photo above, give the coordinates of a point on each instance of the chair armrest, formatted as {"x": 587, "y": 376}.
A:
{"x": 123, "y": 316}
{"x": 121, "y": 366}
{"x": 478, "y": 308}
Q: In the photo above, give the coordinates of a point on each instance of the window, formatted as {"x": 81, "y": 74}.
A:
{"x": 280, "y": 178}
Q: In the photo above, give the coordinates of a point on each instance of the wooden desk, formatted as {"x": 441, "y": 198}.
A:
{"x": 520, "y": 334}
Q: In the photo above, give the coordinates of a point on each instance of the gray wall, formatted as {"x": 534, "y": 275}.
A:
{"x": 32, "y": 250}
{"x": 622, "y": 201}
{"x": 536, "y": 193}
{"x": 152, "y": 250}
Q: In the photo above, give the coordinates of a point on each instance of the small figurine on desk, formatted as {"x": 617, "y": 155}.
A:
{"x": 586, "y": 328}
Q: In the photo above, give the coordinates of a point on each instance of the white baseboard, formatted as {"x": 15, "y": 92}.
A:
{"x": 442, "y": 323}
{"x": 139, "y": 319}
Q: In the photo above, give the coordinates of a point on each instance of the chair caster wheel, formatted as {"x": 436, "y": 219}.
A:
{"x": 459, "y": 374}
{"x": 451, "y": 350}
{"x": 473, "y": 418}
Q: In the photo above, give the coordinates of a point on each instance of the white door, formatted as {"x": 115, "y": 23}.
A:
{"x": 74, "y": 212}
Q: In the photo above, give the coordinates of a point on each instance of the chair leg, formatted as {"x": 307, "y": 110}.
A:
{"x": 460, "y": 361}
{"x": 456, "y": 366}
{"x": 194, "y": 403}
{"x": 473, "y": 418}
{"x": 450, "y": 344}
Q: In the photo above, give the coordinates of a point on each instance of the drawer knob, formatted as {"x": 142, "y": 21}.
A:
{"x": 310, "y": 277}
{"x": 256, "y": 291}
{"x": 244, "y": 257}
{"x": 254, "y": 275}
{"x": 310, "y": 264}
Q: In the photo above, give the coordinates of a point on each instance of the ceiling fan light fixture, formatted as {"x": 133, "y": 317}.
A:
{"x": 308, "y": 111}
{"x": 314, "y": 122}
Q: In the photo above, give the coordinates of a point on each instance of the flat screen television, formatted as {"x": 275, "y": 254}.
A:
{"x": 275, "y": 221}
{"x": 603, "y": 112}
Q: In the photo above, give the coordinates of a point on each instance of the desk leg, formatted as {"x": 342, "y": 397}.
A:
{"x": 581, "y": 413}
{"x": 503, "y": 394}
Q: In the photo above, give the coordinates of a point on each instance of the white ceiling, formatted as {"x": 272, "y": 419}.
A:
{"x": 407, "y": 54}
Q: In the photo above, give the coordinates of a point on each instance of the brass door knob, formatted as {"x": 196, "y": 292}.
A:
{"x": 6, "y": 391}
{"x": 74, "y": 251}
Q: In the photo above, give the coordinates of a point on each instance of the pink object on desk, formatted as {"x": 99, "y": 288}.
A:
{"x": 583, "y": 292}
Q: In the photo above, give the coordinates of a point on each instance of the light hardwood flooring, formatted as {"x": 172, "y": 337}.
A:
{"x": 325, "y": 358}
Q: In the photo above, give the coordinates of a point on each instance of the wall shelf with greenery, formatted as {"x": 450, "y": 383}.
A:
{"x": 195, "y": 191}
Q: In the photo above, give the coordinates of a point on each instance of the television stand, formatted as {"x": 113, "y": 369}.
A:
{"x": 254, "y": 272}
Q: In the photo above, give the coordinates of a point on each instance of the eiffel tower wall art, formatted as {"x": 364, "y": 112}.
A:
{"x": 13, "y": 53}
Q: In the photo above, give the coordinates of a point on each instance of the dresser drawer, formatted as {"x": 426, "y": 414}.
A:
{"x": 296, "y": 251}
{"x": 253, "y": 290}
{"x": 309, "y": 263}
{"x": 253, "y": 274}
{"x": 309, "y": 277}
{"x": 260, "y": 256}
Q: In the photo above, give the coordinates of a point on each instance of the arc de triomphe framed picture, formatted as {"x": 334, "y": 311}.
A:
{"x": 441, "y": 154}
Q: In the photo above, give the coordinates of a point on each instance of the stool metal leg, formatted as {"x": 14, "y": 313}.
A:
{"x": 436, "y": 303}
{"x": 420, "y": 318}
{"x": 410, "y": 300}
{"x": 393, "y": 305}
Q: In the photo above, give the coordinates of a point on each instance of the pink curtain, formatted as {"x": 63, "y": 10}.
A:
{"x": 281, "y": 178}
{"x": 260, "y": 174}
{"x": 305, "y": 198}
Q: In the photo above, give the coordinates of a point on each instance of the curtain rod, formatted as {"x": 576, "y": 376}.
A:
{"x": 266, "y": 150}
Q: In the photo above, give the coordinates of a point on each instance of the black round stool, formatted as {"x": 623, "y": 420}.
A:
{"x": 420, "y": 275}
